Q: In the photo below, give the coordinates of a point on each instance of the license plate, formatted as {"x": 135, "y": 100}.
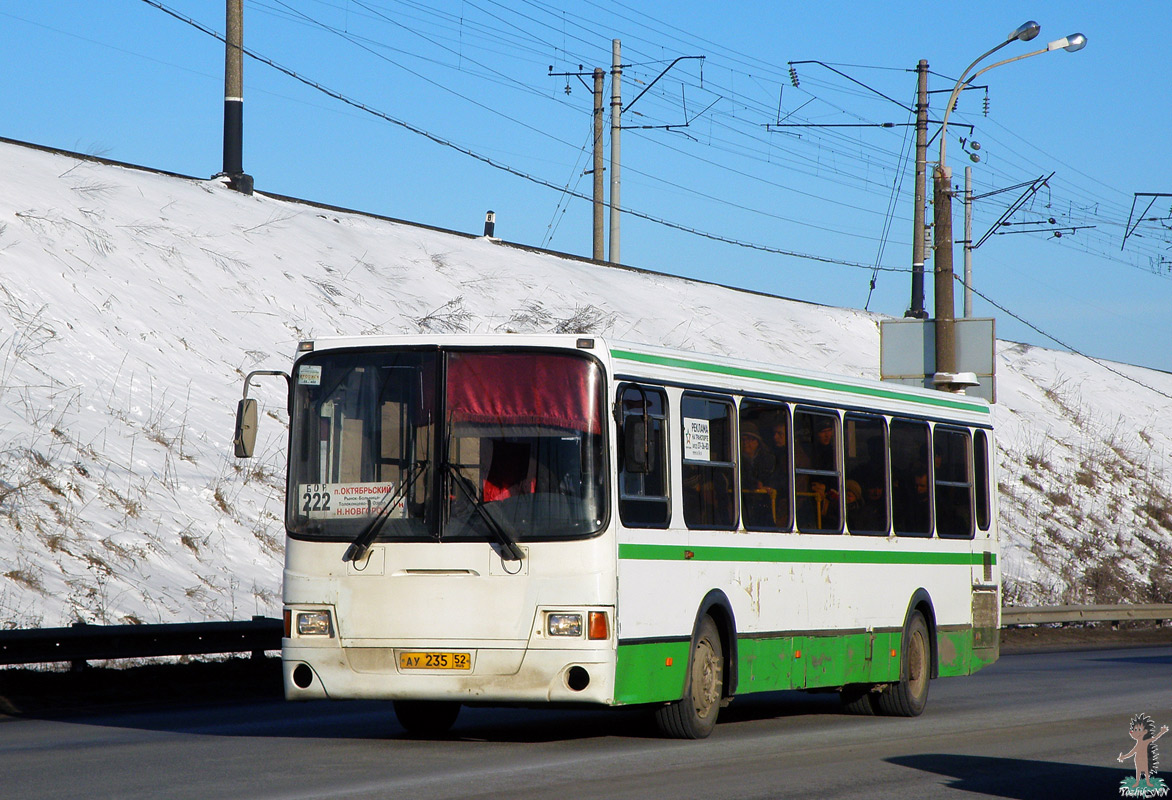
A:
{"x": 435, "y": 661}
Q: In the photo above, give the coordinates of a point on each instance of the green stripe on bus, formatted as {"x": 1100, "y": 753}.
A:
{"x": 787, "y": 555}
{"x": 943, "y": 401}
{"x": 653, "y": 672}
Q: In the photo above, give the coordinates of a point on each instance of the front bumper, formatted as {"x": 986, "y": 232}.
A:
{"x": 498, "y": 675}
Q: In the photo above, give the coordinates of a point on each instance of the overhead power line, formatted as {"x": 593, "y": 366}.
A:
{"x": 634, "y": 213}
{"x": 505, "y": 167}
{"x": 1064, "y": 345}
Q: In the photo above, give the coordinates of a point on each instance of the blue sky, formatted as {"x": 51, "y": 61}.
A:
{"x": 125, "y": 80}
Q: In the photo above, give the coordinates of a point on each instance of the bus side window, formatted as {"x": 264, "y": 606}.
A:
{"x": 954, "y": 492}
{"x": 865, "y": 495}
{"x": 765, "y": 466}
{"x": 709, "y": 465}
{"x": 911, "y": 498}
{"x": 817, "y": 474}
{"x": 981, "y": 478}
{"x": 643, "y": 492}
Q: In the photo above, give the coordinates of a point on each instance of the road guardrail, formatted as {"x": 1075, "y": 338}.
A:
{"x": 1122, "y": 612}
{"x": 80, "y": 642}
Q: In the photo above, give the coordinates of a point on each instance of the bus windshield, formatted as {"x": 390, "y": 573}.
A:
{"x": 411, "y": 444}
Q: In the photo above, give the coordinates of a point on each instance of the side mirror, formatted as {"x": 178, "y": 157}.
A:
{"x": 244, "y": 439}
{"x": 638, "y": 457}
{"x": 245, "y": 436}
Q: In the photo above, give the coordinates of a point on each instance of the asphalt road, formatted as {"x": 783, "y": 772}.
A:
{"x": 1032, "y": 726}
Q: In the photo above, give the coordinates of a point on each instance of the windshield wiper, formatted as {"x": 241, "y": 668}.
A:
{"x": 361, "y": 544}
{"x": 508, "y": 543}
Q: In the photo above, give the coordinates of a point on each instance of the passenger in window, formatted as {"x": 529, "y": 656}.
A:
{"x": 757, "y": 468}
{"x": 829, "y": 499}
{"x": 780, "y": 440}
{"x": 820, "y": 452}
{"x": 818, "y": 508}
{"x": 873, "y": 514}
{"x": 757, "y": 462}
{"x": 920, "y": 518}
{"x": 779, "y": 480}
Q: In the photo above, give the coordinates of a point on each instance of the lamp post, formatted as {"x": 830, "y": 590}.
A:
{"x": 942, "y": 200}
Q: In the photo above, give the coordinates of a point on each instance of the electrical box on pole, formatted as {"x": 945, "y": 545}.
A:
{"x": 907, "y": 354}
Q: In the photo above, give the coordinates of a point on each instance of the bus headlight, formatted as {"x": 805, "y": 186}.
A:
{"x": 563, "y": 624}
{"x": 314, "y": 623}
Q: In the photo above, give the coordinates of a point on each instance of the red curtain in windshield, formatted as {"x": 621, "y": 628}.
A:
{"x": 524, "y": 389}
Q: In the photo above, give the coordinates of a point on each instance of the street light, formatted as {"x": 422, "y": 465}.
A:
{"x": 942, "y": 199}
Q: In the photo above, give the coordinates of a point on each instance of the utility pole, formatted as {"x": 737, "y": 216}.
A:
{"x": 968, "y": 242}
{"x": 945, "y": 304}
{"x": 917, "y": 307}
{"x": 599, "y": 200}
{"x": 616, "y": 118}
{"x": 234, "y": 99}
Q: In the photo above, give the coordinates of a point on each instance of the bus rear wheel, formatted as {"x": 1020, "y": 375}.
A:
{"x": 858, "y": 699}
{"x": 427, "y": 718}
{"x": 693, "y": 716}
{"x": 908, "y": 697}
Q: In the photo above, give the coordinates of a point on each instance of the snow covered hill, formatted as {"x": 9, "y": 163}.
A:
{"x": 132, "y": 304}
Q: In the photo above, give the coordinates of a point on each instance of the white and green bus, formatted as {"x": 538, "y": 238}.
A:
{"x": 528, "y": 519}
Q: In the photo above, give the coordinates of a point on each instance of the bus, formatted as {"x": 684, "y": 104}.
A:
{"x": 532, "y": 519}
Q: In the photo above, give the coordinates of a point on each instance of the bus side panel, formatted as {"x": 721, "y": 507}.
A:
{"x": 656, "y": 612}
{"x": 650, "y": 672}
{"x": 833, "y": 607}
{"x": 955, "y": 652}
{"x": 764, "y": 665}
{"x": 965, "y": 652}
{"x": 791, "y": 601}
{"x": 799, "y": 662}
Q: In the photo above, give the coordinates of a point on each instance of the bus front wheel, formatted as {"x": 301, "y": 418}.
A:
{"x": 693, "y": 716}
{"x": 426, "y": 717}
{"x": 908, "y": 697}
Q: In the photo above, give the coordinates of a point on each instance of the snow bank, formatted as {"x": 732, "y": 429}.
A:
{"x": 134, "y": 303}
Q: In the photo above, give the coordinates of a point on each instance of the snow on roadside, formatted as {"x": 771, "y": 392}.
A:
{"x": 133, "y": 304}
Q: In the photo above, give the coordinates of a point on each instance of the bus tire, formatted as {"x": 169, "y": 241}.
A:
{"x": 908, "y": 697}
{"x": 693, "y": 716}
{"x": 427, "y": 718}
{"x": 858, "y": 699}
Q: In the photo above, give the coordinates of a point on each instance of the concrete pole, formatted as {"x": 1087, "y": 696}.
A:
{"x": 616, "y": 117}
{"x": 945, "y": 305}
{"x": 599, "y": 199}
{"x": 968, "y": 242}
{"x": 916, "y": 310}
{"x": 234, "y": 98}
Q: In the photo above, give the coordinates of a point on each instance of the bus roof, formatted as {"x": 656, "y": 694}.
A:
{"x": 703, "y": 370}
